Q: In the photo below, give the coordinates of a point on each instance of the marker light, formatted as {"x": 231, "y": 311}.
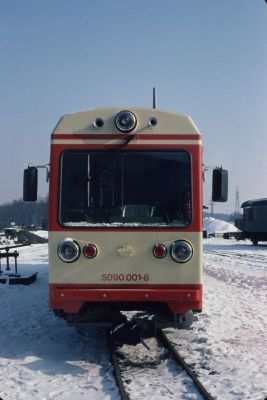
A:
{"x": 159, "y": 250}
{"x": 181, "y": 251}
{"x": 152, "y": 122}
{"x": 68, "y": 250}
{"x": 90, "y": 250}
{"x": 125, "y": 121}
{"x": 98, "y": 123}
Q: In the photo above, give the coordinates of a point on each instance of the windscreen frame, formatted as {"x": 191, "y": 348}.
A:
{"x": 127, "y": 226}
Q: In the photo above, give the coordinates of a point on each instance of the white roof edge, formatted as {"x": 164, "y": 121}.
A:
{"x": 82, "y": 121}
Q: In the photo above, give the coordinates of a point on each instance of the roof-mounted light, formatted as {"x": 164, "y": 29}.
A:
{"x": 152, "y": 122}
{"x": 125, "y": 121}
{"x": 99, "y": 122}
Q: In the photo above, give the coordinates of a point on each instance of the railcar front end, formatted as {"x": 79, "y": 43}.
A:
{"x": 125, "y": 224}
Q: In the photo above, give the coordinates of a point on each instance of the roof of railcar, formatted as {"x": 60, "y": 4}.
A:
{"x": 83, "y": 121}
{"x": 255, "y": 203}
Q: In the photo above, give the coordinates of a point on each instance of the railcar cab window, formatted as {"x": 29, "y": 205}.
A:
{"x": 135, "y": 188}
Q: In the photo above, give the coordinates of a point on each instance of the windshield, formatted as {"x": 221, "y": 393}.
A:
{"x": 147, "y": 188}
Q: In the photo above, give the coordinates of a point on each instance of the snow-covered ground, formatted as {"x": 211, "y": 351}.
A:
{"x": 228, "y": 342}
{"x": 212, "y": 225}
{"x": 41, "y": 358}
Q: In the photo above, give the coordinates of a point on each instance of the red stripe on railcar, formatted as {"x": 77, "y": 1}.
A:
{"x": 139, "y": 136}
{"x": 180, "y": 298}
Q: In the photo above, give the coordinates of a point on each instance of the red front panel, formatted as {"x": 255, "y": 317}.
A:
{"x": 180, "y": 298}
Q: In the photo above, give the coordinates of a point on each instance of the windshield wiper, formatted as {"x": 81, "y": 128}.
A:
{"x": 128, "y": 140}
{"x": 91, "y": 177}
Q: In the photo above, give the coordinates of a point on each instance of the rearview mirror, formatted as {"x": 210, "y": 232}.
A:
{"x": 30, "y": 183}
{"x": 219, "y": 185}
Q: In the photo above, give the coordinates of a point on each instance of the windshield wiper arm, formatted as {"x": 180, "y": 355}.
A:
{"x": 91, "y": 177}
{"x": 128, "y": 140}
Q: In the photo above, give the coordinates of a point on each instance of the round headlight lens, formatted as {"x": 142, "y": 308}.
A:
{"x": 181, "y": 251}
{"x": 125, "y": 121}
{"x": 68, "y": 250}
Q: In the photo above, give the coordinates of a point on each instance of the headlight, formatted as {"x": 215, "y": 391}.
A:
{"x": 125, "y": 121}
{"x": 181, "y": 251}
{"x": 68, "y": 250}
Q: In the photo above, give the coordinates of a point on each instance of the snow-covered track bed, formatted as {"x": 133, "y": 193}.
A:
{"x": 244, "y": 257}
{"x": 237, "y": 263}
{"x": 181, "y": 361}
{"x": 160, "y": 370}
{"x": 42, "y": 358}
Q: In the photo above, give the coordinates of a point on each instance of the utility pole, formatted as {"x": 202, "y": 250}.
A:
{"x": 237, "y": 204}
{"x": 211, "y": 208}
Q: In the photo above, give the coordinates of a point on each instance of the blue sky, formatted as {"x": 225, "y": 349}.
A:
{"x": 207, "y": 58}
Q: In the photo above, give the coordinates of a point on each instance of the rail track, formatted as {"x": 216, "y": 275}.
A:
{"x": 170, "y": 352}
{"x": 239, "y": 255}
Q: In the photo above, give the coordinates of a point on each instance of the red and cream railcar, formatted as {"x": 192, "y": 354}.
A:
{"x": 125, "y": 215}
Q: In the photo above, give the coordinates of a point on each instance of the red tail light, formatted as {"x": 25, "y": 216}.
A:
{"x": 159, "y": 250}
{"x": 90, "y": 250}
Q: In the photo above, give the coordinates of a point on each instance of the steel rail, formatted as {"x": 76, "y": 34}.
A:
{"x": 240, "y": 256}
{"x": 117, "y": 370}
{"x": 178, "y": 358}
{"x": 161, "y": 336}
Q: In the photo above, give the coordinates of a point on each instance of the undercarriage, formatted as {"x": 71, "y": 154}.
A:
{"x": 131, "y": 320}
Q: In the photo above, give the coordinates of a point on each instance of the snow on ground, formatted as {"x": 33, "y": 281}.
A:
{"x": 212, "y": 225}
{"x": 41, "y": 358}
{"x": 43, "y": 234}
{"x": 152, "y": 374}
{"x": 228, "y": 342}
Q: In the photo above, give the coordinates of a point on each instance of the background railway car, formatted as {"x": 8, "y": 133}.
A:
{"x": 125, "y": 215}
{"x": 253, "y": 224}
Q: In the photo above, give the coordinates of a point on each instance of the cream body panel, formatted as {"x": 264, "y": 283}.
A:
{"x": 110, "y": 260}
{"x": 167, "y": 122}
